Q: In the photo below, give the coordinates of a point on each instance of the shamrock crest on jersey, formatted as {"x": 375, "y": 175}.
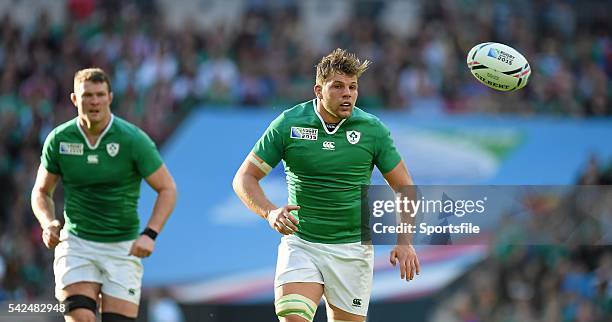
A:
{"x": 112, "y": 149}
{"x": 353, "y": 136}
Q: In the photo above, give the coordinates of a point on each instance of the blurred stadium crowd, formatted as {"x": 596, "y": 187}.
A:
{"x": 566, "y": 277}
{"x": 159, "y": 74}
{"x": 534, "y": 284}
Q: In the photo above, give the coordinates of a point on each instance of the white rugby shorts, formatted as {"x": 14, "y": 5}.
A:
{"x": 345, "y": 270}
{"x": 80, "y": 260}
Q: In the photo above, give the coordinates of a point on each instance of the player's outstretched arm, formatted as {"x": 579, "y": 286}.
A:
{"x": 44, "y": 207}
{"x": 401, "y": 182}
{"x": 162, "y": 182}
{"x": 246, "y": 185}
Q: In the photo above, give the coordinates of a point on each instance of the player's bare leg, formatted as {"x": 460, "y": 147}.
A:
{"x": 311, "y": 291}
{"x": 335, "y": 314}
{"x": 84, "y": 295}
{"x": 113, "y": 305}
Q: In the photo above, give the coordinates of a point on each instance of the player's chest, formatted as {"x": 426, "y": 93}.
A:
{"x": 107, "y": 161}
{"x": 315, "y": 150}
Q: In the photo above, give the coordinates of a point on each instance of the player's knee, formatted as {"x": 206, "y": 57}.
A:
{"x": 295, "y": 305}
{"x": 80, "y": 308}
{"x": 116, "y": 317}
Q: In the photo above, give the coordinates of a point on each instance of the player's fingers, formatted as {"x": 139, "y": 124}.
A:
{"x": 48, "y": 243}
{"x": 53, "y": 241}
{"x": 293, "y": 219}
{"x": 281, "y": 228}
{"x": 392, "y": 258}
{"x": 403, "y": 269}
{"x": 53, "y": 233}
{"x": 417, "y": 265}
{"x": 410, "y": 267}
{"x": 292, "y": 207}
{"x": 289, "y": 224}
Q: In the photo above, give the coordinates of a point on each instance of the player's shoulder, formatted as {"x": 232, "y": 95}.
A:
{"x": 302, "y": 112}
{"x": 65, "y": 128}
{"x": 366, "y": 118}
{"x": 123, "y": 126}
{"x": 304, "y": 109}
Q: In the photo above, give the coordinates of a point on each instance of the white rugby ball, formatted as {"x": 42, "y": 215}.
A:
{"x": 498, "y": 66}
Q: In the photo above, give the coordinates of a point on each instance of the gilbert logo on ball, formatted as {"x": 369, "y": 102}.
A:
{"x": 499, "y": 66}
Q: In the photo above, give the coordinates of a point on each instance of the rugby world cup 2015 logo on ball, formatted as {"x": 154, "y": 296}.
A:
{"x": 498, "y": 66}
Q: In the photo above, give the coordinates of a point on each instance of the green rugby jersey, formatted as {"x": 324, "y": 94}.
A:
{"x": 325, "y": 170}
{"x": 101, "y": 182}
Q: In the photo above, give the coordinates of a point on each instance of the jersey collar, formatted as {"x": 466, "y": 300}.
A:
{"x": 95, "y": 146}
{"x": 314, "y": 106}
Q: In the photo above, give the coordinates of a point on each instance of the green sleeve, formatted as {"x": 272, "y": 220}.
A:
{"x": 50, "y": 155}
{"x": 270, "y": 146}
{"x": 386, "y": 156}
{"x": 145, "y": 154}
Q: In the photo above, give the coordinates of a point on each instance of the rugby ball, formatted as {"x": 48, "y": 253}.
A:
{"x": 498, "y": 66}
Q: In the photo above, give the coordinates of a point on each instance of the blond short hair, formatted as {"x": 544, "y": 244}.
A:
{"x": 340, "y": 61}
{"x": 95, "y": 75}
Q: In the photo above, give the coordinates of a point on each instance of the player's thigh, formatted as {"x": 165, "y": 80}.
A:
{"x": 88, "y": 289}
{"x": 111, "y": 304}
{"x": 312, "y": 291}
{"x": 347, "y": 270}
{"x": 123, "y": 273}
{"x": 335, "y": 314}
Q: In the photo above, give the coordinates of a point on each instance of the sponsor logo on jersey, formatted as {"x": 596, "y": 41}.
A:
{"x": 329, "y": 145}
{"x": 357, "y": 302}
{"x": 304, "y": 133}
{"x": 112, "y": 149}
{"x": 71, "y": 148}
{"x": 92, "y": 159}
{"x": 353, "y": 136}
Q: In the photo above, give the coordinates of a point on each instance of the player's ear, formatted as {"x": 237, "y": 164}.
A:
{"x": 73, "y": 98}
{"x": 110, "y": 98}
{"x": 318, "y": 90}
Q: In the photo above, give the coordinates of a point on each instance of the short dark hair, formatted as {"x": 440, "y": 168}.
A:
{"x": 340, "y": 61}
{"x": 96, "y": 75}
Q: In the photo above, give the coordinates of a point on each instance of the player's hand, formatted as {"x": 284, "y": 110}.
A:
{"x": 142, "y": 247}
{"x": 282, "y": 220}
{"x": 408, "y": 260}
{"x": 51, "y": 234}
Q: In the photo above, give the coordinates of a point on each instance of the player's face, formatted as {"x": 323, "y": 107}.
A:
{"x": 339, "y": 95}
{"x": 93, "y": 100}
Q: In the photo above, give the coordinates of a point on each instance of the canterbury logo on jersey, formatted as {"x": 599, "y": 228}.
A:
{"x": 329, "y": 145}
{"x": 92, "y": 159}
{"x": 71, "y": 148}
{"x": 304, "y": 133}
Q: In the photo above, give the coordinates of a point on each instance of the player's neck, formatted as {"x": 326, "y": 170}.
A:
{"x": 93, "y": 129}
{"x": 327, "y": 116}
